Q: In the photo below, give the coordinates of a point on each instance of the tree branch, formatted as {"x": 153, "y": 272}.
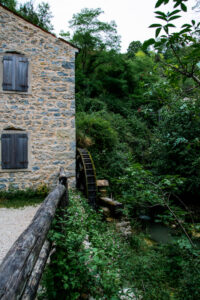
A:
{"x": 178, "y": 221}
{"x": 185, "y": 73}
{"x": 177, "y": 57}
{"x": 173, "y": 213}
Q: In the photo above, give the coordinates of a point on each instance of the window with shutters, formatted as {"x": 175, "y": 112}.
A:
{"x": 15, "y": 73}
{"x": 14, "y": 151}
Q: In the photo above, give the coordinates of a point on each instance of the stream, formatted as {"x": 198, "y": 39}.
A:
{"x": 159, "y": 233}
{"x": 162, "y": 234}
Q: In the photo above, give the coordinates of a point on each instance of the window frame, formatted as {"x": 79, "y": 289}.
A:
{"x": 29, "y": 167}
{"x": 11, "y": 91}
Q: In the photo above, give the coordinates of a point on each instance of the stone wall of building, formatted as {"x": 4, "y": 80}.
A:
{"x": 47, "y": 111}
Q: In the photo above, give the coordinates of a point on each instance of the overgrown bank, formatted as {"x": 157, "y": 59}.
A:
{"x": 93, "y": 259}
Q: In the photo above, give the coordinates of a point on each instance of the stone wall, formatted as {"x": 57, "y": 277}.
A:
{"x": 47, "y": 111}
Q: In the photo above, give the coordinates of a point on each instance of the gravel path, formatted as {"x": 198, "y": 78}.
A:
{"x": 12, "y": 223}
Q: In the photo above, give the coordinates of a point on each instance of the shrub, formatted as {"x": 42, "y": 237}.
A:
{"x": 19, "y": 198}
{"x": 88, "y": 257}
{"x": 141, "y": 191}
{"x": 101, "y": 138}
{"x": 175, "y": 145}
{"x": 93, "y": 259}
{"x": 97, "y": 129}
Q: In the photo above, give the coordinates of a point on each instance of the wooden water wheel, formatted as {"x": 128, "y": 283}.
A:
{"x": 86, "y": 176}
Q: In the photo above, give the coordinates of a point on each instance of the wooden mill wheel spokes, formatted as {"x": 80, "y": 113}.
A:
{"x": 86, "y": 176}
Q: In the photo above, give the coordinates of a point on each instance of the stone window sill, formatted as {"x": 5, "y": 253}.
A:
{"x": 16, "y": 92}
{"x": 14, "y": 170}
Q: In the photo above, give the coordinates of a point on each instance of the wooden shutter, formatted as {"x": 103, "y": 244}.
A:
{"x": 6, "y": 151}
{"x": 14, "y": 149}
{"x": 21, "y": 79}
{"x": 8, "y": 73}
{"x": 21, "y": 146}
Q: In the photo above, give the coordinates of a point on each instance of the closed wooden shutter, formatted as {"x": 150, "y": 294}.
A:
{"x": 6, "y": 151}
{"x": 8, "y": 73}
{"x": 15, "y": 73}
{"x": 21, "y": 80}
{"x": 14, "y": 149}
{"x": 21, "y": 144}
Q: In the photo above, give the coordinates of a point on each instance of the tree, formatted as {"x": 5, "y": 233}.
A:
{"x": 133, "y": 48}
{"x": 99, "y": 44}
{"x": 41, "y": 16}
{"x": 93, "y": 34}
{"x": 175, "y": 147}
{"x": 184, "y": 45}
{"x": 11, "y": 4}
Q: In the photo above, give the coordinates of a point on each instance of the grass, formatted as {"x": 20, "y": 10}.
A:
{"x": 21, "y": 198}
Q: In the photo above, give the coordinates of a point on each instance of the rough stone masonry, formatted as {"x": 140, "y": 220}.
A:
{"x": 46, "y": 111}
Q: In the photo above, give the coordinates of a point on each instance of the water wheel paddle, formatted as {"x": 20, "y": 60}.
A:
{"x": 86, "y": 175}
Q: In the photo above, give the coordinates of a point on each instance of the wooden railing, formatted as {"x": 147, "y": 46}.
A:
{"x": 22, "y": 268}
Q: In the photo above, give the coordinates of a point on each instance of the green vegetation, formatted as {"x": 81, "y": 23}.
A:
{"x": 93, "y": 258}
{"x": 139, "y": 107}
{"x": 40, "y": 15}
{"x": 175, "y": 143}
{"x": 138, "y": 113}
{"x": 20, "y": 198}
{"x": 181, "y": 49}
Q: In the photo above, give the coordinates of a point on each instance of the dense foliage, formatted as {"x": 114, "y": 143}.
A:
{"x": 136, "y": 105}
{"x": 40, "y": 16}
{"x": 132, "y": 108}
{"x": 138, "y": 114}
{"x": 93, "y": 259}
{"x": 175, "y": 143}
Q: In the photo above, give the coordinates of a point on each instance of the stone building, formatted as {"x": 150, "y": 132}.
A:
{"x": 37, "y": 104}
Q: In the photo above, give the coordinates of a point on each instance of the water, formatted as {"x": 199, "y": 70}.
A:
{"x": 159, "y": 233}
{"x": 164, "y": 235}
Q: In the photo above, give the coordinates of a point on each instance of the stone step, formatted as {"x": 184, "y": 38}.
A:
{"x": 102, "y": 183}
{"x": 111, "y": 202}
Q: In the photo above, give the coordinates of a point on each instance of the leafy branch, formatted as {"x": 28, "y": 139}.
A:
{"x": 184, "y": 44}
{"x": 165, "y": 203}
